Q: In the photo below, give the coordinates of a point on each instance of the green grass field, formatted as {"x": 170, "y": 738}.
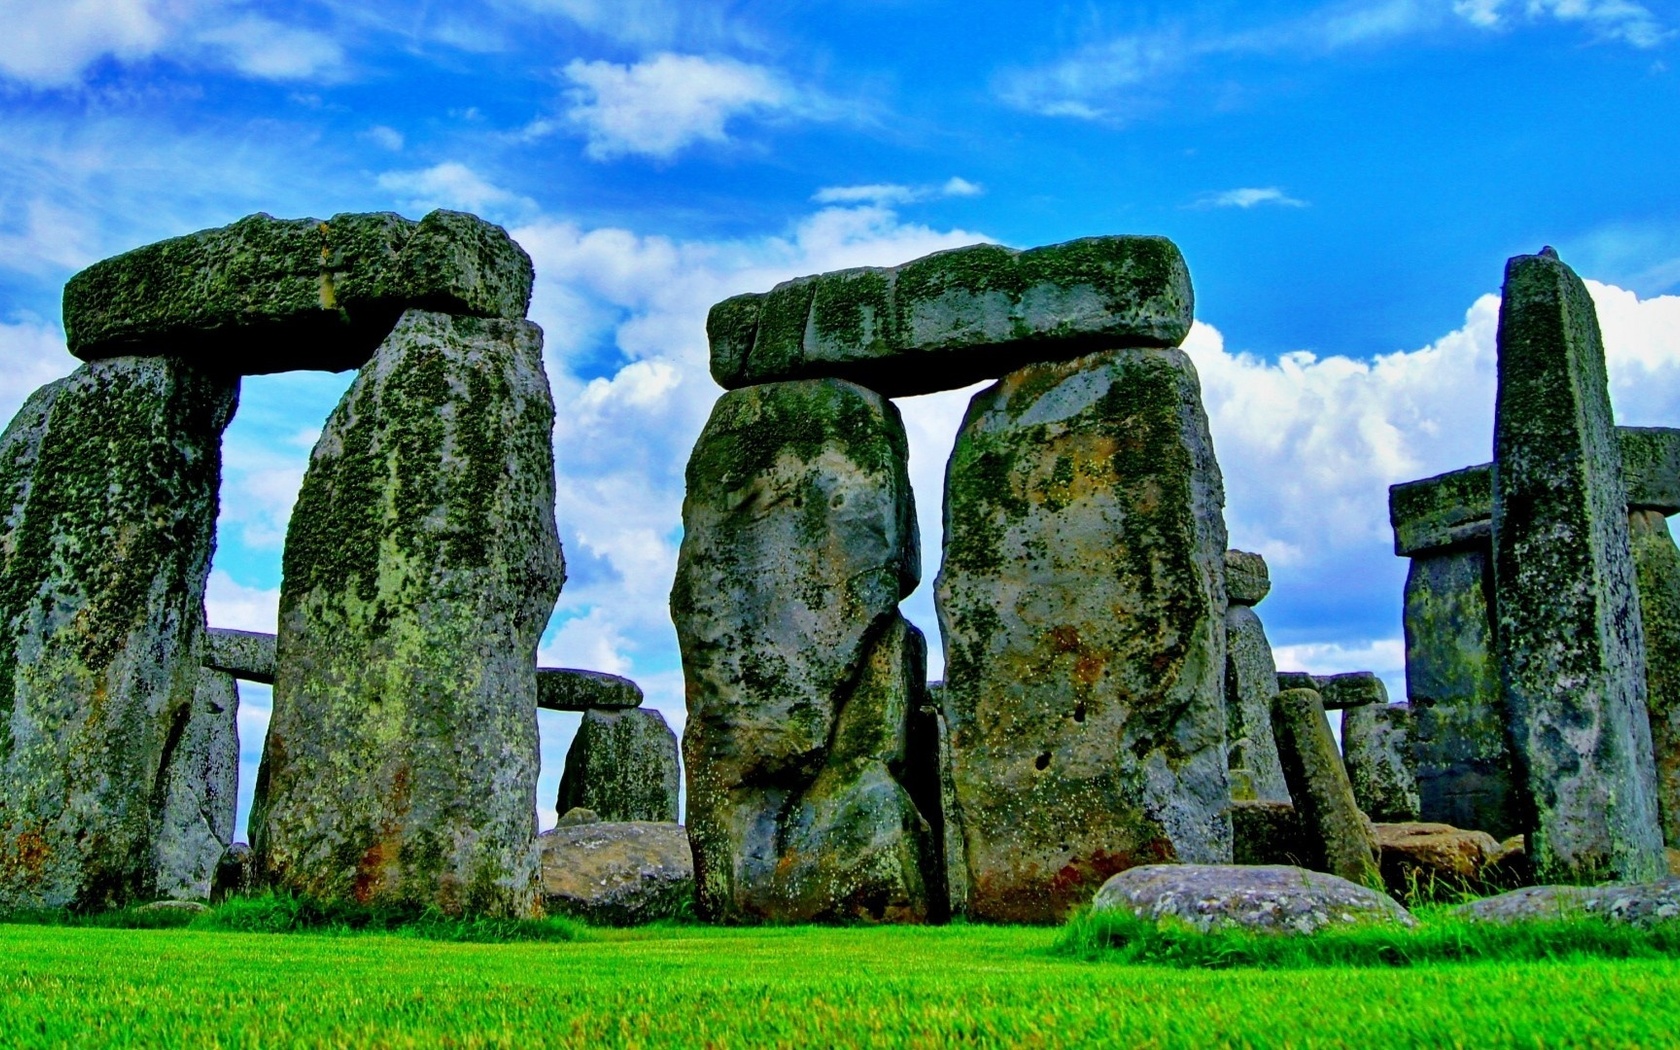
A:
{"x": 695, "y": 986}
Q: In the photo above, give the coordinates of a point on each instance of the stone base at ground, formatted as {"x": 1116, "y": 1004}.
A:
{"x": 617, "y": 874}
{"x": 1436, "y": 861}
{"x": 1273, "y": 898}
{"x": 1639, "y": 904}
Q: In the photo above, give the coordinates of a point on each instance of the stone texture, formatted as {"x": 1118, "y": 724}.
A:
{"x": 1268, "y": 833}
{"x": 268, "y": 295}
{"x": 1082, "y": 606}
{"x": 1443, "y": 511}
{"x": 200, "y": 791}
{"x": 1250, "y": 684}
{"x": 1431, "y": 861}
{"x": 1247, "y": 580}
{"x": 799, "y": 541}
{"x": 578, "y": 815}
{"x": 617, "y": 874}
{"x": 242, "y": 654}
{"x": 1639, "y": 904}
{"x": 236, "y": 874}
{"x": 1377, "y": 752}
{"x": 954, "y": 317}
{"x": 622, "y": 765}
{"x": 1296, "y": 680}
{"x": 1656, "y": 563}
{"x": 566, "y": 689}
{"x": 1331, "y": 822}
{"x": 1571, "y": 647}
{"x": 1272, "y": 898}
{"x": 108, "y": 482}
{"x": 1342, "y": 692}
{"x": 1650, "y": 467}
{"x": 421, "y": 564}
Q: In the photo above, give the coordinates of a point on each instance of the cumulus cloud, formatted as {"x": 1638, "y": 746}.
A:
{"x": 34, "y": 353}
{"x": 234, "y": 606}
{"x": 660, "y": 105}
{"x": 1249, "y": 196}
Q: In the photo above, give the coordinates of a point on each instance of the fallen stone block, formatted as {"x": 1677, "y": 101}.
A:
{"x": 567, "y": 689}
{"x": 622, "y": 765}
{"x": 1423, "y": 862}
{"x": 1271, "y": 898}
{"x": 617, "y": 873}
{"x": 1638, "y": 904}
{"x": 243, "y": 654}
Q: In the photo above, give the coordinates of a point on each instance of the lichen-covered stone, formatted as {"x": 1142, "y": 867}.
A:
{"x": 1442, "y": 511}
{"x": 268, "y": 295}
{"x": 200, "y": 791}
{"x": 617, "y": 873}
{"x": 421, "y": 565}
{"x": 1247, "y": 580}
{"x": 1296, "y": 680}
{"x": 1571, "y": 648}
{"x": 1651, "y": 467}
{"x": 1082, "y": 605}
{"x": 1335, "y": 830}
{"x": 1250, "y": 684}
{"x": 622, "y": 765}
{"x": 1268, "y": 833}
{"x": 799, "y": 541}
{"x": 568, "y": 689}
{"x": 1656, "y": 563}
{"x": 1640, "y": 904}
{"x": 1377, "y": 751}
{"x": 243, "y": 654}
{"x": 1342, "y": 692}
{"x": 954, "y": 317}
{"x": 108, "y": 481}
{"x": 1274, "y": 898}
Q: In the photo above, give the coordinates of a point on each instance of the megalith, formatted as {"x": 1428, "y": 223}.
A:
{"x": 421, "y": 564}
{"x": 1336, "y": 834}
{"x": 1250, "y": 684}
{"x": 1656, "y": 563}
{"x": 1082, "y": 603}
{"x": 623, "y": 765}
{"x": 802, "y": 679}
{"x": 1569, "y": 637}
{"x": 1377, "y": 751}
{"x": 109, "y": 484}
{"x": 200, "y": 791}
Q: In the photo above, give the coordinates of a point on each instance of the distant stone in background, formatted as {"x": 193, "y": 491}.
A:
{"x": 1272, "y": 899}
{"x": 1082, "y": 602}
{"x": 1656, "y": 563}
{"x": 1377, "y": 751}
{"x": 421, "y": 565}
{"x": 567, "y": 689}
{"x": 242, "y": 654}
{"x": 799, "y": 541}
{"x": 1296, "y": 680}
{"x": 1342, "y": 692}
{"x": 617, "y": 873}
{"x": 108, "y": 479}
{"x": 951, "y": 836}
{"x": 1424, "y": 862}
{"x": 200, "y": 791}
{"x": 1571, "y": 648}
{"x": 1250, "y": 684}
{"x": 948, "y": 319}
{"x": 1331, "y": 821}
{"x": 236, "y": 874}
{"x": 1269, "y": 833}
{"x": 623, "y": 765}
{"x": 577, "y": 815}
{"x": 1639, "y": 904}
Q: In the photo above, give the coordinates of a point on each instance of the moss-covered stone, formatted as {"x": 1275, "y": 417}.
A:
{"x": 421, "y": 565}
{"x": 1338, "y": 835}
{"x": 1247, "y": 580}
{"x": 948, "y": 319}
{"x": 200, "y": 791}
{"x": 1082, "y": 604}
{"x": 1651, "y": 467}
{"x": 568, "y": 689}
{"x": 243, "y": 654}
{"x": 1656, "y": 563}
{"x": 1250, "y": 684}
{"x": 1571, "y": 648}
{"x": 622, "y": 765}
{"x": 1377, "y": 751}
{"x": 111, "y": 480}
{"x": 1350, "y": 689}
{"x": 1267, "y": 833}
{"x": 268, "y": 295}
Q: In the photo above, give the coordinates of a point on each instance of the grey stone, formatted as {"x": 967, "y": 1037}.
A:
{"x": 1268, "y": 833}
{"x": 1377, "y": 751}
{"x": 1250, "y": 684}
{"x": 1082, "y": 605}
{"x": 1331, "y": 822}
{"x": 1247, "y": 580}
{"x": 242, "y": 654}
{"x": 1571, "y": 647}
{"x": 108, "y": 482}
{"x": 799, "y": 541}
{"x": 1341, "y": 692}
{"x": 200, "y": 790}
{"x": 623, "y": 765}
{"x": 577, "y": 815}
{"x": 1296, "y": 680}
{"x": 617, "y": 874}
{"x": 1640, "y": 904}
{"x": 566, "y": 689}
{"x": 268, "y": 295}
{"x": 1423, "y": 862}
{"x": 1272, "y": 898}
{"x": 180, "y": 907}
{"x": 1650, "y": 467}
{"x": 421, "y": 565}
{"x": 954, "y": 317}
{"x": 1656, "y": 563}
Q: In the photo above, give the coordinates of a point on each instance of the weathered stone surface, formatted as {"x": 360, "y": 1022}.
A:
{"x": 567, "y": 689}
{"x": 1571, "y": 647}
{"x": 578, "y": 815}
{"x": 617, "y": 874}
{"x": 200, "y": 791}
{"x": 268, "y": 295}
{"x": 108, "y": 484}
{"x": 954, "y": 317}
{"x": 799, "y": 541}
{"x": 1268, "y": 833}
{"x": 1342, "y": 692}
{"x": 623, "y": 765}
{"x": 1377, "y": 751}
{"x": 242, "y": 654}
{"x": 1082, "y": 606}
{"x": 421, "y": 564}
{"x": 1639, "y": 904}
{"x": 1272, "y": 898}
{"x": 1250, "y": 684}
{"x": 1331, "y": 822}
{"x": 1656, "y": 563}
{"x": 180, "y": 907}
{"x": 236, "y": 874}
{"x": 1431, "y": 861}
{"x": 1247, "y": 580}
{"x": 1650, "y": 467}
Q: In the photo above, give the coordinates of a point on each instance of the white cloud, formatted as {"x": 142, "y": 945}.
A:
{"x": 34, "y": 353}
{"x": 662, "y": 104}
{"x": 452, "y": 184}
{"x": 384, "y": 137}
{"x": 891, "y": 193}
{"x": 268, "y": 50}
{"x": 1624, "y": 20}
{"x": 1249, "y": 196}
{"x": 234, "y": 606}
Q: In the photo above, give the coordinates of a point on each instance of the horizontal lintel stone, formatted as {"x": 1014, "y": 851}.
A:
{"x": 244, "y": 654}
{"x": 567, "y": 689}
{"x": 1337, "y": 691}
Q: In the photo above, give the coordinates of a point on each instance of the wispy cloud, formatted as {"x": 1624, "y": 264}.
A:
{"x": 452, "y": 184}
{"x": 890, "y": 193}
{"x": 1249, "y": 197}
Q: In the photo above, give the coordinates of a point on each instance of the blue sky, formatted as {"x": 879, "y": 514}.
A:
{"x": 1346, "y": 181}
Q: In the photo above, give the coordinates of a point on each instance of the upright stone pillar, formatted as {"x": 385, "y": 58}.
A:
{"x": 799, "y": 541}
{"x": 109, "y": 480}
{"x": 1082, "y": 601}
{"x": 1656, "y": 563}
{"x": 421, "y": 565}
{"x": 1571, "y": 647}
{"x": 200, "y": 791}
{"x": 622, "y": 766}
{"x": 1338, "y": 837}
{"x": 1377, "y": 751}
{"x": 1250, "y": 684}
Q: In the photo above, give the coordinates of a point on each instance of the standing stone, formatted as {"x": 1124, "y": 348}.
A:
{"x": 1250, "y": 684}
{"x": 108, "y": 479}
{"x": 1571, "y": 646}
{"x": 1082, "y": 602}
{"x": 622, "y": 765}
{"x": 954, "y": 861}
{"x": 200, "y": 791}
{"x": 799, "y": 541}
{"x": 1656, "y": 563}
{"x": 421, "y": 564}
{"x": 1377, "y": 751}
{"x": 1334, "y": 828}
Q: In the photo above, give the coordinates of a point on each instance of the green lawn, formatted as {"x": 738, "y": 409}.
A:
{"x": 692, "y": 986}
